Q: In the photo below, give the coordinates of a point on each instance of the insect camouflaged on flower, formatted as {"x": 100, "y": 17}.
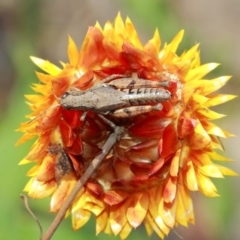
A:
{"x": 123, "y": 97}
{"x": 114, "y": 97}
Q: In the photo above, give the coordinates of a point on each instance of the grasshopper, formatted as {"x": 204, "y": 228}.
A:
{"x": 123, "y": 97}
{"x": 116, "y": 95}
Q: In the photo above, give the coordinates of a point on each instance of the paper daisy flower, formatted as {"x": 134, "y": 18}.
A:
{"x": 163, "y": 154}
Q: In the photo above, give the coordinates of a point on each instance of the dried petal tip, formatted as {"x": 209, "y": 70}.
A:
{"x": 168, "y": 148}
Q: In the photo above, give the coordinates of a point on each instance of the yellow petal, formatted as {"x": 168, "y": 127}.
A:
{"x": 66, "y": 185}
{"x": 101, "y": 221}
{"x": 119, "y": 27}
{"x": 173, "y": 46}
{"x": 187, "y": 94}
{"x": 211, "y": 171}
{"x": 209, "y": 86}
{"x": 148, "y": 226}
{"x": 79, "y": 218}
{"x": 200, "y": 158}
{"x": 191, "y": 179}
{"x": 24, "y": 161}
{"x": 132, "y": 33}
{"x": 206, "y": 186}
{"x": 46, "y": 66}
{"x": 44, "y": 78}
{"x": 184, "y": 213}
{"x": 181, "y": 211}
{"x": 200, "y": 72}
{"x": 34, "y": 98}
{"x": 164, "y": 228}
{"x": 33, "y": 171}
{"x": 216, "y": 143}
{"x": 200, "y": 99}
{"x": 38, "y": 189}
{"x": 184, "y": 155}
{"x": 199, "y": 139}
{"x": 190, "y": 54}
{"x": 72, "y": 52}
{"x": 117, "y": 218}
{"x": 218, "y": 99}
{"x": 125, "y": 231}
{"x": 218, "y": 157}
{"x": 196, "y": 60}
{"x": 227, "y": 171}
{"x": 98, "y": 26}
{"x": 43, "y": 89}
{"x": 108, "y": 30}
{"x": 166, "y": 56}
{"x": 209, "y": 114}
{"x": 155, "y": 227}
{"x": 137, "y": 209}
{"x": 153, "y": 212}
{"x": 169, "y": 192}
{"x": 107, "y": 228}
{"x": 167, "y": 215}
{"x": 24, "y": 138}
{"x": 92, "y": 199}
{"x": 156, "y": 40}
{"x": 215, "y": 130}
{"x": 94, "y": 208}
{"x": 175, "y": 164}
{"x": 46, "y": 171}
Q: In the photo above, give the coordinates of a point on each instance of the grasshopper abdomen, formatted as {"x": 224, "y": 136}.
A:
{"x": 141, "y": 96}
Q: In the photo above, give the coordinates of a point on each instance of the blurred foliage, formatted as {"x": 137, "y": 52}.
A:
{"x": 23, "y": 24}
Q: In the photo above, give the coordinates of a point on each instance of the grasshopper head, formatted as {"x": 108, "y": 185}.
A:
{"x": 66, "y": 101}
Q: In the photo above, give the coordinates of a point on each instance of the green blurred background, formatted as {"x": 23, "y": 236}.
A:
{"x": 41, "y": 28}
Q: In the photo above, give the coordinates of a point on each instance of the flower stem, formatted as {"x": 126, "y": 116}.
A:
{"x": 25, "y": 199}
{"x": 112, "y": 139}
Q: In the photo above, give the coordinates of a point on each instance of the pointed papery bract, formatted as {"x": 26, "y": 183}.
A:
{"x": 118, "y": 218}
{"x": 137, "y": 209}
{"x": 46, "y": 66}
{"x": 163, "y": 155}
{"x": 80, "y": 218}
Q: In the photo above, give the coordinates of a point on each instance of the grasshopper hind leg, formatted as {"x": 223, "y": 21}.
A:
{"x": 135, "y": 110}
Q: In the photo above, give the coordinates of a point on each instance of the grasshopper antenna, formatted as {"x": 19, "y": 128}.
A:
{"x": 40, "y": 114}
{"x": 54, "y": 94}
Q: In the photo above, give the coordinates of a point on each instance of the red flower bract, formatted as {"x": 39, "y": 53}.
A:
{"x": 162, "y": 155}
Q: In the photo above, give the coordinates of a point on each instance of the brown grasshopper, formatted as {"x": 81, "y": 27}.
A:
{"x": 122, "y": 97}
{"x": 116, "y": 95}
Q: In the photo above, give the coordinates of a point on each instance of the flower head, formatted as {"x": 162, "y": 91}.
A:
{"x": 163, "y": 154}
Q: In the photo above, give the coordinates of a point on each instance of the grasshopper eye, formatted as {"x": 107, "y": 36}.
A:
{"x": 65, "y": 95}
{"x": 64, "y": 101}
{"x": 65, "y": 106}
